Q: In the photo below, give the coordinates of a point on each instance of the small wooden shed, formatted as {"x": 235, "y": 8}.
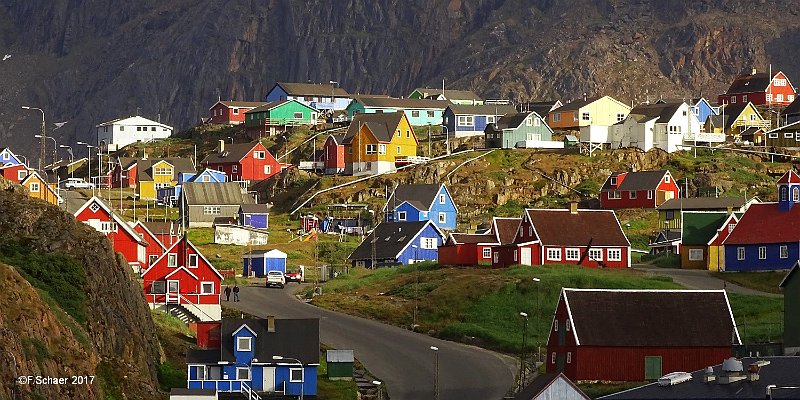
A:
{"x": 340, "y": 364}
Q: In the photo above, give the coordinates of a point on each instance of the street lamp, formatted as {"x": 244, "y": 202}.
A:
{"x": 71, "y": 158}
{"x": 537, "y": 281}
{"x": 43, "y": 134}
{"x": 55, "y": 144}
{"x": 89, "y": 149}
{"x": 435, "y": 372}
{"x": 302, "y": 372}
{"x": 522, "y": 350}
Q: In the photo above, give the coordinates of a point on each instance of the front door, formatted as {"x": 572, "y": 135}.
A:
{"x": 269, "y": 379}
{"x": 526, "y": 256}
{"x": 560, "y": 362}
{"x": 652, "y": 367}
{"x": 173, "y": 288}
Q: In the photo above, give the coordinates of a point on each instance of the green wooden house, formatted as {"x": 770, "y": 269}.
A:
{"x": 669, "y": 213}
{"x": 791, "y": 311}
{"x": 340, "y": 364}
{"x": 516, "y": 129}
{"x": 270, "y": 117}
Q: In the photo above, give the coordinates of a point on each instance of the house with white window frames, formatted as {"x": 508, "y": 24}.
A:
{"x": 202, "y": 202}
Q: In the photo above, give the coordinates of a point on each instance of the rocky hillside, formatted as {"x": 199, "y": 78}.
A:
{"x": 86, "y": 62}
{"x": 70, "y": 307}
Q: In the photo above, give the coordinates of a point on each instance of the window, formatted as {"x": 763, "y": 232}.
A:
{"x": 730, "y": 227}
{"x": 496, "y": 257}
{"x": 744, "y": 98}
{"x": 568, "y": 325}
{"x": 769, "y": 96}
{"x": 669, "y": 215}
{"x": 442, "y": 199}
{"x": 172, "y": 260}
{"x": 295, "y": 375}
{"x": 401, "y": 215}
{"x": 674, "y": 129}
{"x": 528, "y": 121}
{"x": 784, "y": 194}
{"x": 585, "y": 116}
{"x": 596, "y": 254}
{"x": 298, "y": 115}
{"x": 530, "y": 230}
{"x": 138, "y": 129}
{"x": 212, "y": 210}
{"x": 572, "y": 254}
{"x": 615, "y": 194}
{"x": 244, "y": 344}
{"x": 779, "y": 97}
{"x": 784, "y": 251}
{"x": 490, "y": 119}
{"x": 94, "y": 207}
{"x": 666, "y": 179}
{"x": 553, "y": 254}
{"x": 430, "y": 114}
{"x": 34, "y": 187}
{"x": 795, "y": 195}
{"x": 398, "y": 150}
{"x": 575, "y": 116}
{"x": 515, "y": 255}
{"x": 162, "y": 171}
{"x": 235, "y": 168}
{"x": 415, "y": 114}
{"x": 466, "y": 120}
{"x": 537, "y": 122}
{"x": 371, "y": 148}
{"x": 555, "y": 325}
{"x": 695, "y": 254}
{"x": 762, "y": 252}
{"x": 620, "y": 117}
{"x": 733, "y": 99}
{"x": 151, "y": 259}
{"x": 242, "y": 373}
{"x": 556, "y": 117}
{"x": 740, "y": 253}
{"x": 442, "y": 218}
{"x": 235, "y": 111}
{"x": 790, "y": 97}
{"x": 649, "y": 195}
{"x": 553, "y": 358}
{"x": 268, "y": 169}
{"x": 108, "y": 227}
{"x": 487, "y": 252}
{"x": 207, "y": 288}
{"x": 632, "y": 194}
{"x": 260, "y": 155}
{"x": 569, "y": 357}
{"x": 614, "y": 254}
{"x": 121, "y": 128}
{"x": 613, "y": 180}
{"x": 381, "y": 149}
{"x": 398, "y": 133}
{"x": 788, "y": 135}
{"x": 192, "y": 260}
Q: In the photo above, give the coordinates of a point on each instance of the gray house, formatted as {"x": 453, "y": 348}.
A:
{"x": 202, "y": 202}
{"x": 525, "y": 129}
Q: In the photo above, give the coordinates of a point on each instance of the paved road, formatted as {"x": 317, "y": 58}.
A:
{"x": 402, "y": 359}
{"x": 700, "y": 279}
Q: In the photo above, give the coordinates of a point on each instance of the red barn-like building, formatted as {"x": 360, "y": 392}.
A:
{"x": 333, "y": 155}
{"x": 184, "y": 281}
{"x": 472, "y": 249}
{"x": 759, "y": 89}
{"x": 643, "y": 189}
{"x": 231, "y": 112}
{"x": 636, "y": 335}
{"x": 125, "y": 240}
{"x": 243, "y": 161}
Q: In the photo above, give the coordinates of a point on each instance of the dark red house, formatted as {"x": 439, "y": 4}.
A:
{"x": 231, "y": 112}
{"x": 643, "y": 189}
{"x": 759, "y": 89}
{"x": 124, "y": 172}
{"x": 125, "y": 240}
{"x": 614, "y": 335}
{"x": 333, "y": 155}
{"x": 243, "y": 161}
{"x": 167, "y": 232}
{"x": 154, "y": 246}
{"x": 469, "y": 249}
{"x": 591, "y": 238}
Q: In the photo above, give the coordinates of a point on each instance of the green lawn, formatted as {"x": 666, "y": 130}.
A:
{"x": 759, "y": 318}
{"x": 333, "y": 390}
{"x": 766, "y": 281}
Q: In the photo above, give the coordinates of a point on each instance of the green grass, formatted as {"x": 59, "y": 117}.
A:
{"x": 766, "y": 281}
{"x": 333, "y": 390}
{"x": 595, "y": 390}
{"x": 759, "y": 318}
{"x": 169, "y": 376}
{"x": 663, "y": 260}
{"x": 170, "y": 323}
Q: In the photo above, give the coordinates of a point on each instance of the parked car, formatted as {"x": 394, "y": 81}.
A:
{"x": 276, "y": 278}
{"x": 77, "y": 183}
{"x": 296, "y": 276}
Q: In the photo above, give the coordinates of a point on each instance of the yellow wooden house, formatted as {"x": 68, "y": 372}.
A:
{"x": 376, "y": 143}
{"x": 733, "y": 119}
{"x": 154, "y": 174}
{"x": 39, "y": 189}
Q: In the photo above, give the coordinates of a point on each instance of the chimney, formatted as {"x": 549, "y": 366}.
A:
{"x": 730, "y": 210}
{"x": 221, "y": 146}
{"x": 573, "y": 207}
{"x": 271, "y": 323}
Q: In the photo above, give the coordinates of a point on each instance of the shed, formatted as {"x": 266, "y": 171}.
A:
{"x": 570, "y": 141}
{"x": 791, "y": 317}
{"x": 340, "y": 364}
{"x": 254, "y": 215}
{"x": 258, "y": 263}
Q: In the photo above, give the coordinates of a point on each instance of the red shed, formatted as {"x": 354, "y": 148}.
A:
{"x": 231, "y": 112}
{"x": 643, "y": 189}
{"x": 14, "y": 173}
{"x": 757, "y": 88}
{"x": 243, "y": 161}
{"x": 635, "y": 335}
{"x": 473, "y": 249}
{"x": 183, "y": 280}
{"x": 333, "y": 155}
{"x": 125, "y": 240}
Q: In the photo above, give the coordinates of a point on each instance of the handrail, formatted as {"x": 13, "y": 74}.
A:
{"x": 251, "y": 394}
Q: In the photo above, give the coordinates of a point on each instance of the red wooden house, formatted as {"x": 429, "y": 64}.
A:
{"x": 333, "y": 155}
{"x": 591, "y": 238}
{"x": 168, "y": 233}
{"x": 125, "y": 240}
{"x": 243, "y": 161}
{"x": 643, "y": 189}
{"x": 231, "y": 112}
{"x": 635, "y": 335}
{"x": 154, "y": 246}
{"x": 15, "y": 173}
{"x": 473, "y": 249}
{"x": 124, "y": 172}
{"x": 184, "y": 281}
{"x": 759, "y": 89}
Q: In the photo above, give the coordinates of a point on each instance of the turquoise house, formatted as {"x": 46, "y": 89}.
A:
{"x": 418, "y": 111}
{"x": 525, "y": 129}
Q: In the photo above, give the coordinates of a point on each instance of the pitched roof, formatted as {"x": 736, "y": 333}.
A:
{"x": 789, "y": 177}
{"x": 733, "y": 111}
{"x": 485, "y": 109}
{"x": 161, "y": 228}
{"x": 540, "y": 107}
{"x": 562, "y": 227}
{"x": 699, "y": 227}
{"x": 463, "y": 238}
{"x": 268, "y": 106}
{"x": 242, "y": 104}
{"x": 506, "y": 228}
{"x": 391, "y": 102}
{"x": 295, "y": 338}
{"x": 215, "y": 193}
{"x": 640, "y": 180}
{"x": 114, "y": 217}
{"x": 577, "y": 104}
{"x": 635, "y": 318}
{"x": 421, "y": 196}
{"x": 665, "y": 237}
{"x": 392, "y": 238}
{"x": 449, "y": 93}
{"x": 544, "y": 381}
{"x": 513, "y": 120}
{"x": 793, "y": 107}
{"x": 703, "y": 203}
{"x": 781, "y": 372}
{"x": 255, "y": 208}
{"x": 765, "y": 223}
{"x": 382, "y": 125}
{"x": 748, "y": 83}
{"x": 232, "y": 153}
{"x": 661, "y": 111}
{"x": 313, "y": 89}
{"x": 788, "y": 275}
{"x": 144, "y": 167}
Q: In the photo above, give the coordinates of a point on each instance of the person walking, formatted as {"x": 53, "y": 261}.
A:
{"x": 235, "y": 292}
{"x": 227, "y": 293}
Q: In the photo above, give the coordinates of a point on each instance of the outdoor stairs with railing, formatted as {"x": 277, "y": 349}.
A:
{"x": 250, "y": 393}
{"x": 180, "y": 312}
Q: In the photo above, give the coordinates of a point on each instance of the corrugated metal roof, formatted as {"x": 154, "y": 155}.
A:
{"x": 339, "y": 356}
{"x": 215, "y": 193}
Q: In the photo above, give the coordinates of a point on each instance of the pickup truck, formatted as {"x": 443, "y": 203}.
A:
{"x": 276, "y": 278}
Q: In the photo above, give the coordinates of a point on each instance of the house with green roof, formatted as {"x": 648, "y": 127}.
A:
{"x": 702, "y": 235}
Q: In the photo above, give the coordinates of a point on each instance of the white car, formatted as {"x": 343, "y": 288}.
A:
{"x": 77, "y": 183}
{"x": 276, "y": 278}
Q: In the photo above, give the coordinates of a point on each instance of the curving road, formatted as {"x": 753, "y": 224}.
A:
{"x": 400, "y": 358}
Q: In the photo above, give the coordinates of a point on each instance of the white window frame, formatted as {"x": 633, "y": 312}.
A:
{"x": 370, "y": 149}
{"x": 556, "y": 117}
{"x": 769, "y": 96}
{"x": 572, "y": 254}
{"x": 555, "y": 325}
{"x": 401, "y": 215}
{"x": 586, "y": 116}
{"x": 553, "y": 254}
{"x": 294, "y": 370}
{"x": 762, "y": 252}
{"x": 516, "y": 255}
{"x": 696, "y": 255}
{"x": 268, "y": 169}
{"x": 442, "y": 218}
{"x": 614, "y": 254}
{"x": 487, "y": 252}
{"x": 194, "y": 261}
{"x": 260, "y": 155}
{"x": 204, "y": 285}
{"x": 212, "y": 210}
{"x": 296, "y": 113}
{"x": 382, "y": 149}
{"x": 235, "y": 168}
{"x": 398, "y": 147}
{"x": 649, "y": 195}
{"x": 553, "y": 358}
{"x": 239, "y": 371}
{"x": 666, "y": 178}
{"x": 34, "y": 187}
{"x": 569, "y": 357}
{"x": 740, "y": 253}
{"x": 172, "y": 260}
{"x": 784, "y": 251}
{"x": 466, "y": 120}
{"x": 731, "y": 227}
{"x": 632, "y": 195}
{"x": 151, "y": 259}
{"x": 596, "y": 254}
{"x": 240, "y": 340}
{"x": 427, "y": 243}
{"x": 496, "y": 257}
{"x": 21, "y": 174}
{"x": 442, "y": 199}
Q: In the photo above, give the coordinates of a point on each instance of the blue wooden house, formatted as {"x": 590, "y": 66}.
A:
{"x": 701, "y": 108}
{"x": 254, "y": 215}
{"x": 321, "y": 96}
{"x": 164, "y": 194}
{"x": 246, "y": 360}
{"x": 398, "y": 243}
{"x": 7, "y": 157}
{"x": 260, "y": 262}
{"x": 767, "y": 237}
{"x": 422, "y": 202}
{"x": 419, "y": 112}
{"x": 471, "y": 120}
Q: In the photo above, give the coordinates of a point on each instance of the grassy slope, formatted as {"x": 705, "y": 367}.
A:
{"x": 765, "y": 281}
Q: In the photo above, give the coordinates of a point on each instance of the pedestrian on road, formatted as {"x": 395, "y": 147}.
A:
{"x": 235, "y": 292}
{"x": 227, "y": 293}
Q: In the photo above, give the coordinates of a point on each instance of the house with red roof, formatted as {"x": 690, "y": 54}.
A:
{"x": 154, "y": 246}
{"x": 617, "y": 335}
{"x": 124, "y": 239}
{"x": 591, "y": 238}
{"x": 767, "y": 236}
{"x": 231, "y": 112}
{"x": 183, "y": 281}
{"x": 243, "y": 161}
{"x": 759, "y": 88}
{"x": 642, "y": 189}
{"x": 471, "y": 249}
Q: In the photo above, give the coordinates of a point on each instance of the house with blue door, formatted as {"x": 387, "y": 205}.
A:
{"x": 398, "y": 243}
{"x": 259, "y": 262}
{"x": 254, "y": 215}
{"x": 321, "y": 96}
{"x": 266, "y": 357}
{"x": 418, "y": 111}
{"x": 471, "y": 120}
{"x": 7, "y": 157}
{"x": 422, "y": 202}
{"x": 767, "y": 236}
